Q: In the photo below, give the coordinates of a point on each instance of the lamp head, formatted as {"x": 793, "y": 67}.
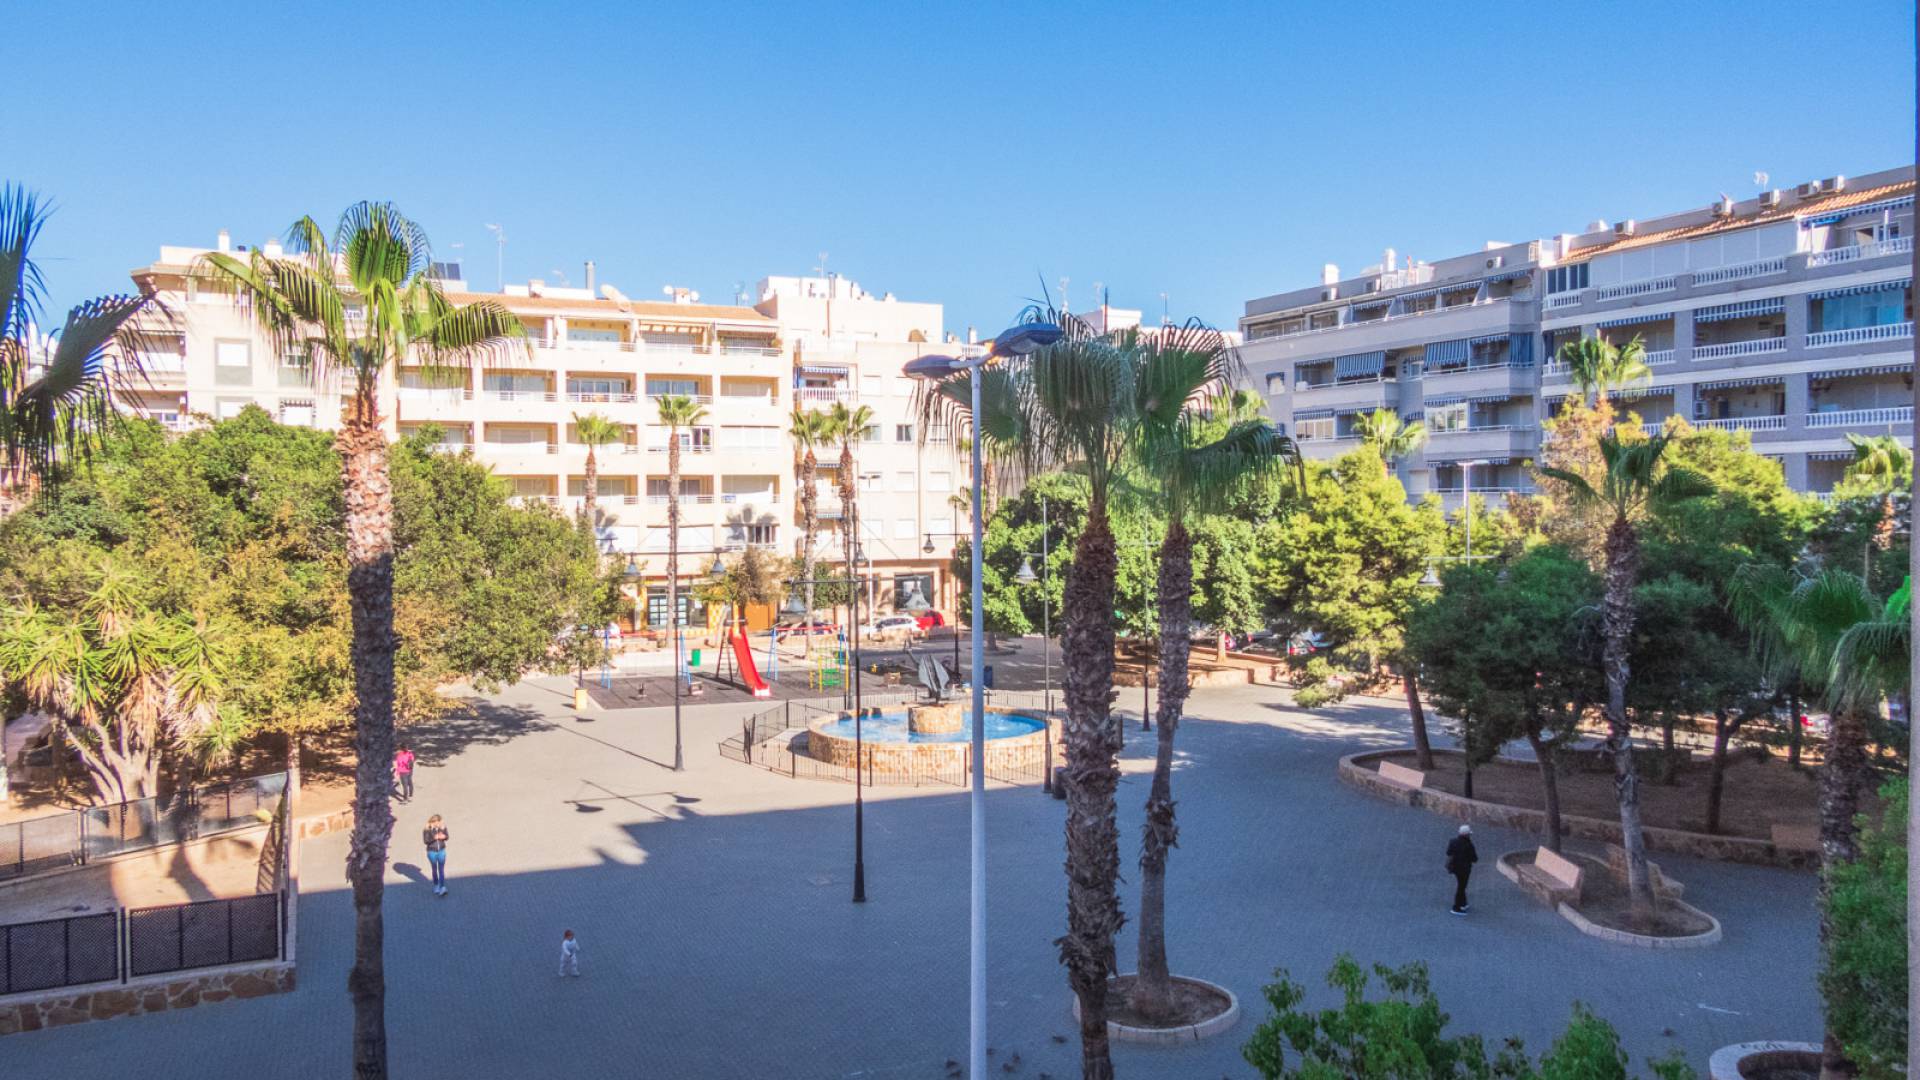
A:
{"x": 1431, "y": 579}
{"x": 928, "y": 546}
{"x": 632, "y": 572}
{"x": 932, "y": 366}
{"x": 718, "y": 570}
{"x": 1026, "y": 576}
{"x": 1026, "y": 338}
{"x": 793, "y": 606}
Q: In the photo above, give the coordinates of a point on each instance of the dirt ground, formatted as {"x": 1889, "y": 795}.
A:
{"x": 1604, "y": 900}
{"x": 1193, "y": 1002}
{"x": 1758, "y": 796}
{"x": 216, "y": 868}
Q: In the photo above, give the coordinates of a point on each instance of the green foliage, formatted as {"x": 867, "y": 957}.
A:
{"x": 1014, "y": 530}
{"x": 1864, "y": 979}
{"x": 1401, "y": 1035}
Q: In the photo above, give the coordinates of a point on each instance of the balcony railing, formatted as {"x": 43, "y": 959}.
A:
{"x": 752, "y": 498}
{"x": 1270, "y": 336}
{"x": 1741, "y": 271}
{"x": 1438, "y": 373}
{"x": 1660, "y": 356}
{"x": 1479, "y": 430}
{"x": 1740, "y": 348}
{"x": 580, "y": 398}
{"x": 518, "y": 395}
{"x": 1634, "y": 288}
{"x": 1899, "y": 245}
{"x": 1860, "y": 335}
{"x": 1897, "y": 414}
{"x": 686, "y": 497}
{"x": 704, "y": 449}
{"x": 688, "y": 349}
{"x": 497, "y": 446}
{"x": 697, "y": 399}
{"x": 824, "y": 393}
{"x": 1309, "y": 387}
{"x": 434, "y": 393}
{"x": 1745, "y": 423}
{"x": 1563, "y": 300}
{"x": 529, "y": 500}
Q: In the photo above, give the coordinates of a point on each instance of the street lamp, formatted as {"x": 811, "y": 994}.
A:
{"x": 1016, "y": 341}
{"x": 795, "y": 607}
{"x": 955, "y": 629}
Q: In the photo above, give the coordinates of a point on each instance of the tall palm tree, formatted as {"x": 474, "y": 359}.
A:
{"x": 848, "y": 426}
{"x": 1191, "y": 365}
{"x": 1074, "y": 403}
{"x": 1853, "y": 650}
{"x": 810, "y": 429}
{"x": 1636, "y": 482}
{"x": 1598, "y": 367}
{"x": 358, "y": 305}
{"x": 1882, "y": 466}
{"x": 594, "y": 431}
{"x": 1383, "y": 430}
{"x": 676, "y": 411}
{"x": 52, "y": 398}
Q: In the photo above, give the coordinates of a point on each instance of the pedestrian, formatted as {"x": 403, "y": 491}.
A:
{"x": 403, "y": 773}
{"x": 1460, "y": 860}
{"x": 569, "y": 954}
{"x": 436, "y": 839}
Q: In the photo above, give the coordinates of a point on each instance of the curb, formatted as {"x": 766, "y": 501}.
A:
{"x": 1725, "y": 1063}
{"x": 1710, "y": 936}
{"x": 1174, "y": 1036}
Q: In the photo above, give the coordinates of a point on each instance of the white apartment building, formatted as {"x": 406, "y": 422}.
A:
{"x": 807, "y": 343}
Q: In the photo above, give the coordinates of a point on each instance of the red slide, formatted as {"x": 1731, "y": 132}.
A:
{"x": 749, "y": 674}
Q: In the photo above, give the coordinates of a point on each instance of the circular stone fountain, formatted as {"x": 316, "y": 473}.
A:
{"x": 933, "y": 742}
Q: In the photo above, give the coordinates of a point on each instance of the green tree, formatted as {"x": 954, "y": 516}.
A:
{"x": 361, "y": 305}
{"x": 1390, "y": 437}
{"x": 810, "y": 430}
{"x": 1198, "y": 471}
{"x": 1509, "y": 652}
{"x": 676, "y": 411}
{"x": 54, "y": 396}
{"x": 1598, "y": 367}
{"x": 848, "y": 426}
{"x": 1636, "y": 481}
{"x": 1865, "y": 978}
{"x": 595, "y": 431}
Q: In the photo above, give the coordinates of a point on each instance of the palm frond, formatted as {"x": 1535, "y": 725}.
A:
{"x": 1871, "y": 661}
{"x": 71, "y": 401}
{"x": 22, "y": 290}
{"x": 1578, "y": 488}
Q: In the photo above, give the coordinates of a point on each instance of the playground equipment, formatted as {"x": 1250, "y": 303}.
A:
{"x": 741, "y": 653}
{"x": 831, "y": 671}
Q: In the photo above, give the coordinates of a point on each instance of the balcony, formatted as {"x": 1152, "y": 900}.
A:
{"x": 1490, "y": 440}
{"x": 607, "y": 399}
{"x": 1561, "y": 301}
{"x": 1515, "y": 379}
{"x": 1744, "y": 423}
{"x": 687, "y": 498}
{"x": 1755, "y": 347}
{"x": 825, "y": 394}
{"x": 1643, "y": 287}
{"x": 697, "y": 399}
{"x": 1741, "y": 271}
{"x": 1375, "y": 393}
{"x": 518, "y": 395}
{"x": 1851, "y": 418}
{"x": 1860, "y": 335}
{"x": 430, "y": 393}
{"x": 1899, "y": 245}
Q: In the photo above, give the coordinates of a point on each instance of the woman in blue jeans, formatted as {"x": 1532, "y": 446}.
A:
{"x": 436, "y": 838}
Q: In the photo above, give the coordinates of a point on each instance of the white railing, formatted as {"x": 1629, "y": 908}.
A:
{"x": 1659, "y": 357}
{"x": 1383, "y": 319}
{"x": 156, "y": 363}
{"x": 425, "y": 393}
{"x": 688, "y": 349}
{"x": 1435, "y": 373}
{"x": 1859, "y": 334}
{"x": 1740, "y": 348}
{"x": 705, "y": 449}
{"x": 1634, "y": 288}
{"x": 1898, "y": 414}
{"x": 698, "y": 497}
{"x": 527, "y": 500}
{"x": 1745, "y": 423}
{"x": 697, "y": 399}
{"x": 754, "y": 498}
{"x": 1563, "y": 300}
{"x": 519, "y": 395}
{"x": 1475, "y": 430}
{"x": 750, "y": 350}
{"x": 579, "y": 398}
{"x": 1649, "y": 427}
{"x": 1739, "y": 271}
{"x": 822, "y": 393}
{"x": 499, "y": 446}
{"x": 749, "y": 399}
{"x": 1305, "y": 387}
{"x": 1898, "y": 245}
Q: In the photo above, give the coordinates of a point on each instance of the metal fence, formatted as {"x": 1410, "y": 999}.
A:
{"x": 59, "y": 952}
{"x": 119, "y": 945}
{"x": 94, "y": 832}
{"x": 761, "y": 743}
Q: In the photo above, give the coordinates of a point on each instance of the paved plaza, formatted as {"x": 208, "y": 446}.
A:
{"x": 719, "y": 940}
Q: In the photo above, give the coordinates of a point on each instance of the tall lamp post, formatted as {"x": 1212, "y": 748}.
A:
{"x": 680, "y": 674}
{"x": 1026, "y": 576}
{"x": 794, "y": 606}
{"x": 1017, "y": 341}
{"x": 955, "y": 629}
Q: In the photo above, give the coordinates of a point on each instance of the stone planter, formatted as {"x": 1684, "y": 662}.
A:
{"x": 1733, "y": 1062}
{"x": 1173, "y": 1036}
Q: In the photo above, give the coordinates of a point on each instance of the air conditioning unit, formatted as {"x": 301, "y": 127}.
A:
{"x": 1808, "y": 190}
{"x": 1723, "y": 208}
{"x": 1623, "y": 228}
{"x": 1496, "y": 262}
{"x": 1833, "y": 184}
{"x": 1770, "y": 197}
{"x": 1700, "y": 411}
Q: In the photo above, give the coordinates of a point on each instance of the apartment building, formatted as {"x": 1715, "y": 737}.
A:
{"x": 1788, "y": 315}
{"x": 806, "y": 343}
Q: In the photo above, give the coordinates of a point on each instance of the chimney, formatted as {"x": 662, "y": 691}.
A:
{"x": 1329, "y": 274}
{"x": 273, "y": 249}
{"x": 589, "y": 275}
{"x": 225, "y": 243}
{"x": 1389, "y": 260}
{"x": 973, "y": 336}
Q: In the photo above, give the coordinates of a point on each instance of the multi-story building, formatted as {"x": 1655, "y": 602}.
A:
{"x": 1788, "y": 315}
{"x": 807, "y": 343}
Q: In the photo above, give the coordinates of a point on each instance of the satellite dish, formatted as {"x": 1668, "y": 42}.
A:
{"x": 666, "y": 290}
{"x": 693, "y": 297}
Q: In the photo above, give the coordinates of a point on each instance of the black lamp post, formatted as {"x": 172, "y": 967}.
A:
{"x": 715, "y": 572}
{"x": 795, "y": 607}
{"x": 955, "y": 628}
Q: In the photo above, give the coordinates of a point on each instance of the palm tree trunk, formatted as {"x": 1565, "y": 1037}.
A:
{"x": 1092, "y": 741}
{"x": 809, "y": 524}
{"x": 1549, "y": 786}
{"x": 1153, "y": 986}
{"x": 369, "y": 520}
{"x": 1717, "y": 774}
{"x": 1422, "y": 747}
{"x": 1842, "y": 779}
{"x": 673, "y": 547}
{"x": 593, "y": 483}
{"x": 1793, "y": 731}
{"x": 1623, "y": 556}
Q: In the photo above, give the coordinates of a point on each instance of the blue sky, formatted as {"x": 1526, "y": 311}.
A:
{"x": 1211, "y": 152}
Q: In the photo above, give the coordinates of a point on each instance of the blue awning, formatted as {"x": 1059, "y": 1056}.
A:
{"x": 1631, "y": 320}
{"x": 1359, "y": 365}
{"x": 1486, "y": 339}
{"x": 1508, "y": 275}
{"x": 1520, "y": 350}
{"x": 1643, "y": 391}
{"x": 1356, "y": 410}
{"x": 1445, "y": 399}
{"x": 1442, "y": 354}
{"x": 1900, "y": 203}
{"x": 1745, "y": 309}
{"x": 1481, "y": 399}
{"x": 1758, "y": 380}
{"x": 1861, "y": 290}
{"x": 1312, "y": 414}
{"x": 1876, "y": 369}
{"x": 1478, "y": 461}
{"x": 1369, "y": 305}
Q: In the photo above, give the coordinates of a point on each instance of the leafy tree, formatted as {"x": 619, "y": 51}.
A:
{"x": 1510, "y": 652}
{"x": 595, "y": 431}
{"x": 1864, "y": 979}
{"x": 1351, "y": 570}
{"x": 1598, "y": 367}
{"x": 54, "y": 396}
{"x": 1390, "y": 437}
{"x": 1636, "y": 482}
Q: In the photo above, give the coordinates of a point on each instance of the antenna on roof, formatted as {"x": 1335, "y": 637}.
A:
{"x": 500, "y": 257}
{"x": 1760, "y": 178}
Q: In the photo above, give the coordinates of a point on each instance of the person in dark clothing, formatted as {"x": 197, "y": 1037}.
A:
{"x": 1460, "y": 860}
{"x": 435, "y": 835}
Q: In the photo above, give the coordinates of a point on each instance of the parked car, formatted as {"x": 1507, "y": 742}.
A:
{"x": 929, "y": 619}
{"x": 905, "y": 625}
{"x": 805, "y": 629}
{"x": 1306, "y": 644}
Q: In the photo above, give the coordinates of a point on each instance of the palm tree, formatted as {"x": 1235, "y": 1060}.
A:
{"x": 53, "y": 396}
{"x": 1386, "y": 432}
{"x": 1598, "y": 367}
{"x": 1828, "y": 630}
{"x": 676, "y": 411}
{"x": 1191, "y": 365}
{"x": 594, "y": 431}
{"x": 1074, "y": 403}
{"x": 360, "y": 305}
{"x": 847, "y": 426}
{"x": 810, "y": 429}
{"x": 1882, "y": 467}
{"x": 1636, "y": 482}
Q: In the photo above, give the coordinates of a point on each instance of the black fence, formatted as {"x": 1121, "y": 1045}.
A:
{"x": 118, "y": 945}
{"x": 767, "y": 740}
{"x": 95, "y": 832}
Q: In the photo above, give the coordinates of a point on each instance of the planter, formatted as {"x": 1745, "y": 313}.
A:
{"x": 1192, "y": 1031}
{"x": 1505, "y": 864}
{"x": 1764, "y": 1061}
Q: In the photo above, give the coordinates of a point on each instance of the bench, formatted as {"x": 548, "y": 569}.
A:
{"x": 1796, "y": 838}
{"x": 1400, "y": 774}
{"x": 1663, "y": 886}
{"x": 1550, "y": 878}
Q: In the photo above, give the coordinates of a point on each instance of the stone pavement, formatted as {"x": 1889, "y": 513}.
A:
{"x": 719, "y": 940}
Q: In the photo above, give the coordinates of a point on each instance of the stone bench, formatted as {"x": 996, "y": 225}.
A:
{"x": 1400, "y": 774}
{"x": 1551, "y": 879}
{"x": 1796, "y": 838}
{"x": 1663, "y": 886}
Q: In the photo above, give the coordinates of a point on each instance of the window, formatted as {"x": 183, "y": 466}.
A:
{"x": 1316, "y": 428}
{"x": 1878, "y": 308}
{"x": 903, "y": 433}
{"x": 903, "y": 529}
{"x": 233, "y": 363}
{"x": 870, "y": 482}
{"x": 755, "y": 437}
{"x": 939, "y": 481}
{"x": 902, "y": 386}
{"x": 1276, "y": 384}
{"x": 873, "y": 385}
{"x": 661, "y": 387}
{"x": 590, "y": 334}
{"x": 500, "y": 383}
{"x": 870, "y": 433}
{"x": 903, "y": 480}
{"x": 1447, "y": 417}
{"x": 297, "y": 413}
{"x": 940, "y": 526}
{"x": 763, "y": 535}
{"x": 228, "y": 408}
{"x": 597, "y": 389}
{"x": 1567, "y": 278}
{"x": 937, "y": 433}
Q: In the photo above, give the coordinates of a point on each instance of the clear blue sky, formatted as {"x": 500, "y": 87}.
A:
{"x": 1212, "y": 152}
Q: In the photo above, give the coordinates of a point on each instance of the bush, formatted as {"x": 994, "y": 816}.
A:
{"x": 1865, "y": 978}
{"x": 1402, "y": 1037}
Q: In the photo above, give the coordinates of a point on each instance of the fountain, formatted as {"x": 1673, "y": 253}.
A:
{"x": 933, "y": 739}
